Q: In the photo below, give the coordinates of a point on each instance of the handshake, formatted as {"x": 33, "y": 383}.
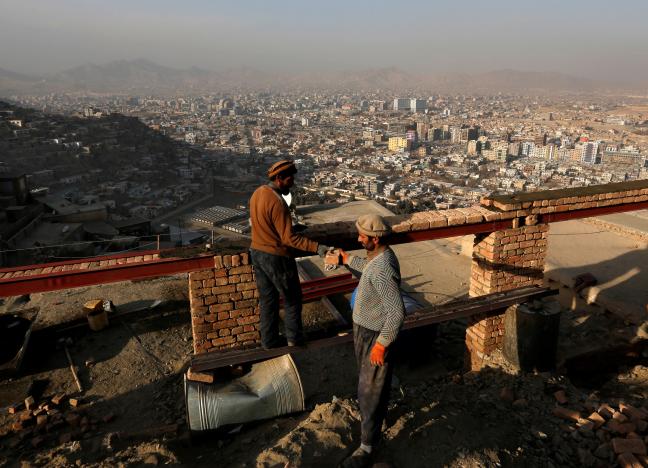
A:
{"x": 333, "y": 257}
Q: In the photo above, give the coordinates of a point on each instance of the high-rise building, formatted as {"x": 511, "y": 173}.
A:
{"x": 417, "y": 105}
{"x": 396, "y": 144}
{"x": 588, "y": 152}
{"x": 411, "y": 137}
{"x": 471, "y": 148}
{"x": 422, "y": 130}
{"x": 401, "y": 104}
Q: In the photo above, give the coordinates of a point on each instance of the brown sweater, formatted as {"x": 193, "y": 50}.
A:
{"x": 272, "y": 225}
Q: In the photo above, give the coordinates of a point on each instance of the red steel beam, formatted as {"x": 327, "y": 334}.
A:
{"x": 450, "y": 231}
{"x": 160, "y": 267}
{"x": 592, "y": 212}
{"x": 110, "y": 274}
{"x": 32, "y": 283}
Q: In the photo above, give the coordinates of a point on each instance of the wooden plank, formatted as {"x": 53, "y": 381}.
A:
{"x": 491, "y": 303}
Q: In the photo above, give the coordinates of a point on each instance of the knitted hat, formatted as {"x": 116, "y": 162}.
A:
{"x": 372, "y": 225}
{"x": 281, "y": 166}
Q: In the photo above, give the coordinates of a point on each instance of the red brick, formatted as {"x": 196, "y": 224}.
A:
{"x": 236, "y": 260}
{"x": 224, "y": 324}
{"x": 246, "y": 303}
{"x": 201, "y": 275}
{"x": 237, "y": 330}
{"x": 227, "y": 261}
{"x": 245, "y": 286}
{"x": 224, "y": 341}
{"x": 222, "y": 298}
{"x": 220, "y": 273}
{"x": 245, "y": 258}
{"x": 197, "y": 320}
{"x": 606, "y": 411}
{"x": 620, "y": 428}
{"x": 221, "y": 281}
{"x": 209, "y": 300}
{"x": 636, "y": 446}
{"x": 224, "y": 332}
{"x": 204, "y": 377}
{"x": 221, "y": 307}
{"x": 247, "y": 336}
{"x": 248, "y": 320}
{"x": 628, "y": 460}
{"x": 242, "y": 312}
{"x": 223, "y": 315}
{"x": 240, "y": 270}
{"x": 218, "y": 262}
{"x": 30, "y": 403}
{"x": 597, "y": 419}
{"x": 233, "y": 279}
{"x": 198, "y": 310}
{"x": 632, "y": 412}
{"x": 224, "y": 289}
{"x": 566, "y": 413}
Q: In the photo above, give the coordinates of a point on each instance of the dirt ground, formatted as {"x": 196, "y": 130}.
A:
{"x": 132, "y": 410}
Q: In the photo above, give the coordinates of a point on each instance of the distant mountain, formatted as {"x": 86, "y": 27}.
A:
{"x": 148, "y": 77}
{"x": 12, "y": 82}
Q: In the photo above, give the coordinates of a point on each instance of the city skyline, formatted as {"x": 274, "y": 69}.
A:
{"x": 595, "y": 39}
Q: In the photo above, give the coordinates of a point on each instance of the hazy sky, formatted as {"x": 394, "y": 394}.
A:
{"x": 593, "y": 38}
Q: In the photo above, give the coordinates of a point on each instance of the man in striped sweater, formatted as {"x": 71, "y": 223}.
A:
{"x": 378, "y": 313}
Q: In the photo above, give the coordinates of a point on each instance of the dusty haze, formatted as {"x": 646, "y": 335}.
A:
{"x": 587, "y": 39}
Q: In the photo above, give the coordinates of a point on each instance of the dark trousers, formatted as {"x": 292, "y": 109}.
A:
{"x": 277, "y": 275}
{"x": 374, "y": 385}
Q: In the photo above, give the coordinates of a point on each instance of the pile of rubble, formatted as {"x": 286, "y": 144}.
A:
{"x": 55, "y": 420}
{"x": 604, "y": 430}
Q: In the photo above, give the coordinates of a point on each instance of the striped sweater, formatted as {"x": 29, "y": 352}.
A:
{"x": 378, "y": 304}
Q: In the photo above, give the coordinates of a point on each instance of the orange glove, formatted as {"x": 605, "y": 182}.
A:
{"x": 377, "y": 356}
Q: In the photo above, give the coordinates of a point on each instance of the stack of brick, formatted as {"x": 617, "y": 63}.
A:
{"x": 502, "y": 261}
{"x": 570, "y": 199}
{"x": 57, "y": 419}
{"x": 224, "y": 305}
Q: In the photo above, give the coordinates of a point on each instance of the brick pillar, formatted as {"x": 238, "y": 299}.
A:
{"x": 224, "y": 305}
{"x": 502, "y": 260}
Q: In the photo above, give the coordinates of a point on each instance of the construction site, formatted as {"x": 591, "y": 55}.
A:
{"x": 528, "y": 346}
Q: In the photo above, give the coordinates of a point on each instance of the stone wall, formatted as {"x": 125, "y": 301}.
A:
{"x": 224, "y": 305}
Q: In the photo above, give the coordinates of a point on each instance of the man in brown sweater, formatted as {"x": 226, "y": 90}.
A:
{"x": 272, "y": 252}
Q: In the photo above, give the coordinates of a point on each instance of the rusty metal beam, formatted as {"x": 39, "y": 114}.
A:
{"x": 592, "y": 212}
{"x": 53, "y": 281}
{"x": 450, "y": 231}
{"x": 73, "y": 278}
{"x": 161, "y": 267}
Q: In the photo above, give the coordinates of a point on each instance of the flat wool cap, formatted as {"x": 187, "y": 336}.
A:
{"x": 372, "y": 225}
{"x": 281, "y": 166}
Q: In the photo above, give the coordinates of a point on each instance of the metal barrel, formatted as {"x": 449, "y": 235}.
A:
{"x": 270, "y": 389}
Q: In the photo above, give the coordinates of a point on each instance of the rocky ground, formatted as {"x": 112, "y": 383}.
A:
{"x": 132, "y": 409}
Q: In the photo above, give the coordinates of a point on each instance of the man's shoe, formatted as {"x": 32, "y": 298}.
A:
{"x": 274, "y": 344}
{"x": 358, "y": 459}
{"x": 296, "y": 343}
